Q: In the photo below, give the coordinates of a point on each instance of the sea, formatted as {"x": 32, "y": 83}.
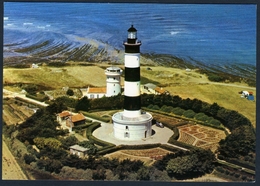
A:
{"x": 209, "y": 33}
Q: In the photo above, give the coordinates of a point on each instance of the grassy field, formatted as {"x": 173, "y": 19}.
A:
{"x": 54, "y": 78}
{"x": 194, "y": 85}
{"x": 176, "y": 81}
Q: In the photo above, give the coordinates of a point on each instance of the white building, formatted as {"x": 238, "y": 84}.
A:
{"x": 95, "y": 92}
{"x": 113, "y": 81}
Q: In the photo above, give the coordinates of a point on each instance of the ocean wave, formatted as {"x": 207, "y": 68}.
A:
{"x": 27, "y": 23}
{"x": 174, "y": 32}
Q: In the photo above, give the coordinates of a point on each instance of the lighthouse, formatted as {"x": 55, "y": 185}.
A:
{"x": 132, "y": 123}
{"x": 113, "y": 81}
{"x": 132, "y": 100}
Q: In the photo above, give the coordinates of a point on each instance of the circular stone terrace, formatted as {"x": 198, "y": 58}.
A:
{"x": 106, "y": 133}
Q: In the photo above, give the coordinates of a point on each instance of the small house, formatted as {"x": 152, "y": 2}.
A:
{"x": 75, "y": 120}
{"x": 96, "y": 92}
{"x": 35, "y": 65}
{"x": 63, "y": 116}
{"x": 160, "y": 90}
{"x": 151, "y": 88}
{"x": 79, "y": 151}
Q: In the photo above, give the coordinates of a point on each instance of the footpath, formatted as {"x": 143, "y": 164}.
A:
{"x": 10, "y": 168}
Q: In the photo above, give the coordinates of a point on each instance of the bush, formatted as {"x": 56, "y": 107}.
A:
{"x": 215, "y": 78}
{"x": 108, "y": 149}
{"x": 28, "y": 158}
{"x": 150, "y": 106}
{"x": 215, "y": 122}
{"x": 176, "y": 133}
{"x": 39, "y": 97}
{"x": 182, "y": 144}
{"x": 156, "y": 107}
{"x": 70, "y": 92}
{"x": 201, "y": 117}
{"x": 167, "y": 109}
{"x": 178, "y": 111}
{"x": 189, "y": 113}
{"x": 96, "y": 117}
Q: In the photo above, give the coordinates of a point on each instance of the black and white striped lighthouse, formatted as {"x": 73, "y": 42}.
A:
{"x": 132, "y": 100}
{"x": 132, "y": 124}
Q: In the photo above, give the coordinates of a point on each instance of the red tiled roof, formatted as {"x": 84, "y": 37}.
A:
{"x": 64, "y": 114}
{"x": 97, "y": 90}
{"x": 159, "y": 90}
{"x": 77, "y": 117}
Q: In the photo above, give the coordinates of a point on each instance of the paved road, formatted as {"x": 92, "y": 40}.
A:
{"x": 233, "y": 85}
{"x": 7, "y": 93}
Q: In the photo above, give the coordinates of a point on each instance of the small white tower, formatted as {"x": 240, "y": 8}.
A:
{"x": 113, "y": 81}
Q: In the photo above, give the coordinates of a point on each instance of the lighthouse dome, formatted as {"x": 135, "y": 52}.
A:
{"x": 132, "y": 29}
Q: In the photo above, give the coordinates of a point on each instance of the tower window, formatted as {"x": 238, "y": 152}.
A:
{"x": 126, "y": 127}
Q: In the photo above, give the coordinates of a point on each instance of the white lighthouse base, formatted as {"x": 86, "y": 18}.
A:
{"x": 132, "y": 128}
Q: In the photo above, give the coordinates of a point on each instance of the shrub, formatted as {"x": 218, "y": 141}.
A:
{"x": 150, "y": 106}
{"x": 156, "y": 107}
{"x": 215, "y": 77}
{"x": 178, "y": 111}
{"x": 189, "y": 113}
{"x": 96, "y": 117}
{"x": 108, "y": 149}
{"x": 214, "y": 122}
{"x": 39, "y": 97}
{"x": 166, "y": 109}
{"x": 70, "y": 92}
{"x": 28, "y": 158}
{"x": 201, "y": 117}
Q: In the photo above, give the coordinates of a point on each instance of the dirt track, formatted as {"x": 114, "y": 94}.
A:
{"x": 10, "y": 168}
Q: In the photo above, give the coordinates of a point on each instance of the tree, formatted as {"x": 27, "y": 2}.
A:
{"x": 31, "y": 89}
{"x": 28, "y": 158}
{"x": 240, "y": 142}
{"x": 143, "y": 174}
{"x": 50, "y": 165}
{"x": 189, "y": 113}
{"x": 83, "y": 104}
{"x": 69, "y": 102}
{"x": 196, "y": 105}
{"x": 73, "y": 173}
{"x": 197, "y": 162}
{"x": 99, "y": 173}
{"x": 92, "y": 149}
{"x": 53, "y": 153}
{"x": 70, "y": 92}
{"x": 69, "y": 141}
{"x": 213, "y": 109}
{"x": 47, "y": 142}
{"x": 47, "y": 133}
{"x": 178, "y": 111}
{"x": 56, "y": 107}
